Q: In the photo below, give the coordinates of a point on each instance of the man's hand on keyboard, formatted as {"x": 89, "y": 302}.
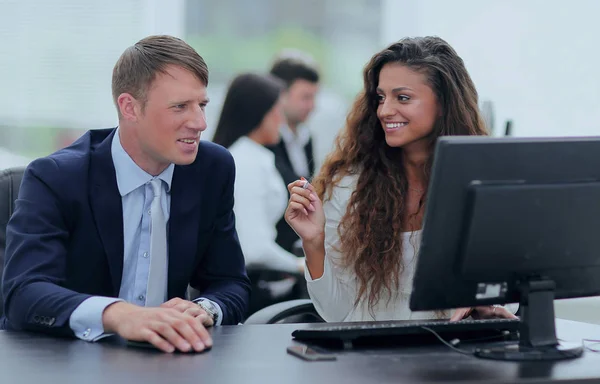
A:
{"x": 485, "y": 312}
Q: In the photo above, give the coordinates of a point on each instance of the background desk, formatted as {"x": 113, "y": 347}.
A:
{"x": 257, "y": 354}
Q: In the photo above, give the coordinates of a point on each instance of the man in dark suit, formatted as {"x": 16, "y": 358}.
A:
{"x": 108, "y": 232}
{"x": 294, "y": 152}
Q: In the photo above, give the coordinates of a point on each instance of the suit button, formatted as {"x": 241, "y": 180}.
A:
{"x": 145, "y": 255}
{"x": 36, "y": 319}
{"x": 87, "y": 332}
{"x": 51, "y": 321}
{"x": 141, "y": 297}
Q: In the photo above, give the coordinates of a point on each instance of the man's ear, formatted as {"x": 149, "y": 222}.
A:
{"x": 129, "y": 107}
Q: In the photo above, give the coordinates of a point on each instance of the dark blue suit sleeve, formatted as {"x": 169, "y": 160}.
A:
{"x": 221, "y": 276}
{"x": 36, "y": 256}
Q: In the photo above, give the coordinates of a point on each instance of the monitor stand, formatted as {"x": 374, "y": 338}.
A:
{"x": 537, "y": 331}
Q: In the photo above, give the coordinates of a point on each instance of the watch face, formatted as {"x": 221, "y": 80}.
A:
{"x": 209, "y": 307}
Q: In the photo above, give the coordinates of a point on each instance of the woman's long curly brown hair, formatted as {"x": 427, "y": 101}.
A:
{"x": 370, "y": 230}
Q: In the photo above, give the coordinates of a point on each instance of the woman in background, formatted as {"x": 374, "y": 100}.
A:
{"x": 250, "y": 119}
{"x": 361, "y": 244}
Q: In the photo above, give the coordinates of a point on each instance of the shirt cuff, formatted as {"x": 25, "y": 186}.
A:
{"x": 219, "y": 311}
{"x": 512, "y": 308}
{"x": 309, "y": 278}
{"x": 86, "y": 319}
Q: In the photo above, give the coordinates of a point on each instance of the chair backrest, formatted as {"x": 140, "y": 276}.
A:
{"x": 10, "y": 181}
{"x": 291, "y": 311}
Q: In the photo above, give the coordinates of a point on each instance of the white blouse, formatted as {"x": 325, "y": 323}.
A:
{"x": 260, "y": 200}
{"x": 334, "y": 293}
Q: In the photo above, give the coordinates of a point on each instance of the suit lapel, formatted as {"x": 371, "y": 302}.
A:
{"x": 308, "y": 150}
{"x": 184, "y": 221}
{"x": 284, "y": 153}
{"x": 107, "y": 208}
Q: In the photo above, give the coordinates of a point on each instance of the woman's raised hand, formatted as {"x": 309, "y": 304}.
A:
{"x": 304, "y": 212}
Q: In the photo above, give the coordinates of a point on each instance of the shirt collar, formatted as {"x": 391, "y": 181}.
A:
{"x": 129, "y": 175}
{"x": 301, "y": 137}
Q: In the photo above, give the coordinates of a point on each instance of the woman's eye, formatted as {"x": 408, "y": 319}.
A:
{"x": 380, "y": 99}
{"x": 403, "y": 98}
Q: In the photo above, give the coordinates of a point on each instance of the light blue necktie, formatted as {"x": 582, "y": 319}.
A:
{"x": 157, "y": 278}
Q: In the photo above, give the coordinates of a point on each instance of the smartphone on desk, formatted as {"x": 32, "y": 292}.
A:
{"x": 309, "y": 354}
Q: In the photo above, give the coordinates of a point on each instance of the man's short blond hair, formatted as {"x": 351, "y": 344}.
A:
{"x": 138, "y": 66}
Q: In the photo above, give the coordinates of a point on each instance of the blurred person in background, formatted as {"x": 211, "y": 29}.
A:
{"x": 294, "y": 156}
{"x": 250, "y": 119}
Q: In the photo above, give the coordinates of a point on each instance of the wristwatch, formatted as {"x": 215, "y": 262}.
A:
{"x": 210, "y": 308}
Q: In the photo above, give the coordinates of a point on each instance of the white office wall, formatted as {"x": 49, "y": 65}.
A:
{"x": 537, "y": 60}
{"x": 57, "y": 56}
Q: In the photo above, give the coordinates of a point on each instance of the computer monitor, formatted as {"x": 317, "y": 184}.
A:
{"x": 512, "y": 220}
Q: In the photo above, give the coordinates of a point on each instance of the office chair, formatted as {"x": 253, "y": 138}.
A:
{"x": 270, "y": 287}
{"x": 292, "y": 311}
{"x": 10, "y": 181}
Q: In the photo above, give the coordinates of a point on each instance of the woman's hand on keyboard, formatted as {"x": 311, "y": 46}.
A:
{"x": 485, "y": 312}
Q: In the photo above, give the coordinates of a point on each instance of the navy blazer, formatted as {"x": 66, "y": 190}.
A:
{"x": 65, "y": 238}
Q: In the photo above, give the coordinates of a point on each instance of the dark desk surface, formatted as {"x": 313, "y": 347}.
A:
{"x": 257, "y": 354}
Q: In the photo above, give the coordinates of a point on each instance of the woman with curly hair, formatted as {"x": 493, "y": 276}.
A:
{"x": 361, "y": 242}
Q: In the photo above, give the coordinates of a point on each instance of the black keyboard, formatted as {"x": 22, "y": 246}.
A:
{"x": 409, "y": 329}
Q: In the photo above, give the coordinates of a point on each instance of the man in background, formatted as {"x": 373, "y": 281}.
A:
{"x": 294, "y": 152}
